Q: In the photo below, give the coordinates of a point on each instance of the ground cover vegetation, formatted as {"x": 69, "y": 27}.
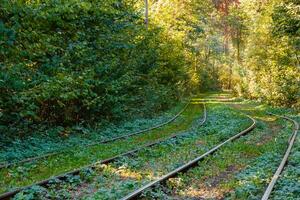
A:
{"x": 26, "y": 173}
{"x": 51, "y": 141}
{"x": 114, "y": 180}
{"x": 243, "y": 169}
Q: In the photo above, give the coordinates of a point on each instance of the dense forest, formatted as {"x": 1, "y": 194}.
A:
{"x": 66, "y": 62}
{"x": 128, "y": 99}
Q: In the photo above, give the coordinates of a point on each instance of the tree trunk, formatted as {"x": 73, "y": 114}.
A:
{"x": 146, "y": 13}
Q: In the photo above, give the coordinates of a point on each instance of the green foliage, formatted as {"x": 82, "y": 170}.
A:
{"x": 286, "y": 21}
{"x": 269, "y": 70}
{"x": 67, "y": 62}
{"x": 33, "y": 193}
{"x": 72, "y": 61}
{"x": 253, "y": 179}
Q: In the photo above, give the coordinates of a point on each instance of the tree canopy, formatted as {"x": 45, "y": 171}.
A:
{"x": 77, "y": 61}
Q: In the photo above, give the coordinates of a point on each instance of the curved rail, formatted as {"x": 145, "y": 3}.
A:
{"x": 11, "y": 194}
{"x": 285, "y": 157}
{"x": 6, "y": 165}
{"x": 188, "y": 165}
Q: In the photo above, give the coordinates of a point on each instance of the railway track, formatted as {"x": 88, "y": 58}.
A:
{"x": 31, "y": 159}
{"x": 189, "y": 165}
{"x": 11, "y": 194}
{"x": 279, "y": 170}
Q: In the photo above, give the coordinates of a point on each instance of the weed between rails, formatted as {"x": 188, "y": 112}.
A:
{"x": 29, "y": 173}
{"x": 241, "y": 170}
{"x": 128, "y": 173}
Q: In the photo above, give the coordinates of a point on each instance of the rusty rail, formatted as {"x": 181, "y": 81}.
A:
{"x": 280, "y": 168}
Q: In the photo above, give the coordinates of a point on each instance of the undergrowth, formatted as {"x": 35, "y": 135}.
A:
{"x": 58, "y": 138}
{"x": 242, "y": 169}
{"x": 126, "y": 174}
{"x": 28, "y": 173}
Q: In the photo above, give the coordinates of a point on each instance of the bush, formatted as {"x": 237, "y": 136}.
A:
{"x": 68, "y": 61}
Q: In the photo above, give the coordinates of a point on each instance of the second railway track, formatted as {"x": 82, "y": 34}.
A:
{"x": 63, "y": 176}
{"x": 187, "y": 166}
{"x": 31, "y": 159}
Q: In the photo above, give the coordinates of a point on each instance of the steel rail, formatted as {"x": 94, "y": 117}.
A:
{"x": 7, "y": 165}
{"x": 187, "y": 166}
{"x": 63, "y": 176}
{"x": 218, "y": 100}
{"x": 280, "y": 168}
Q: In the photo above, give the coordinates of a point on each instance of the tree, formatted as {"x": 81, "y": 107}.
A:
{"x": 146, "y": 13}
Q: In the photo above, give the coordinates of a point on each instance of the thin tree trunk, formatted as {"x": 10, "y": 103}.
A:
{"x": 146, "y": 13}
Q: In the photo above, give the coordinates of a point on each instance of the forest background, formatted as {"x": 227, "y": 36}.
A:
{"x": 83, "y": 61}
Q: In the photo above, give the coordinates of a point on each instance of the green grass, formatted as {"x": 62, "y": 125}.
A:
{"x": 119, "y": 178}
{"x": 240, "y": 170}
{"x": 45, "y": 139}
{"x": 32, "y": 172}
